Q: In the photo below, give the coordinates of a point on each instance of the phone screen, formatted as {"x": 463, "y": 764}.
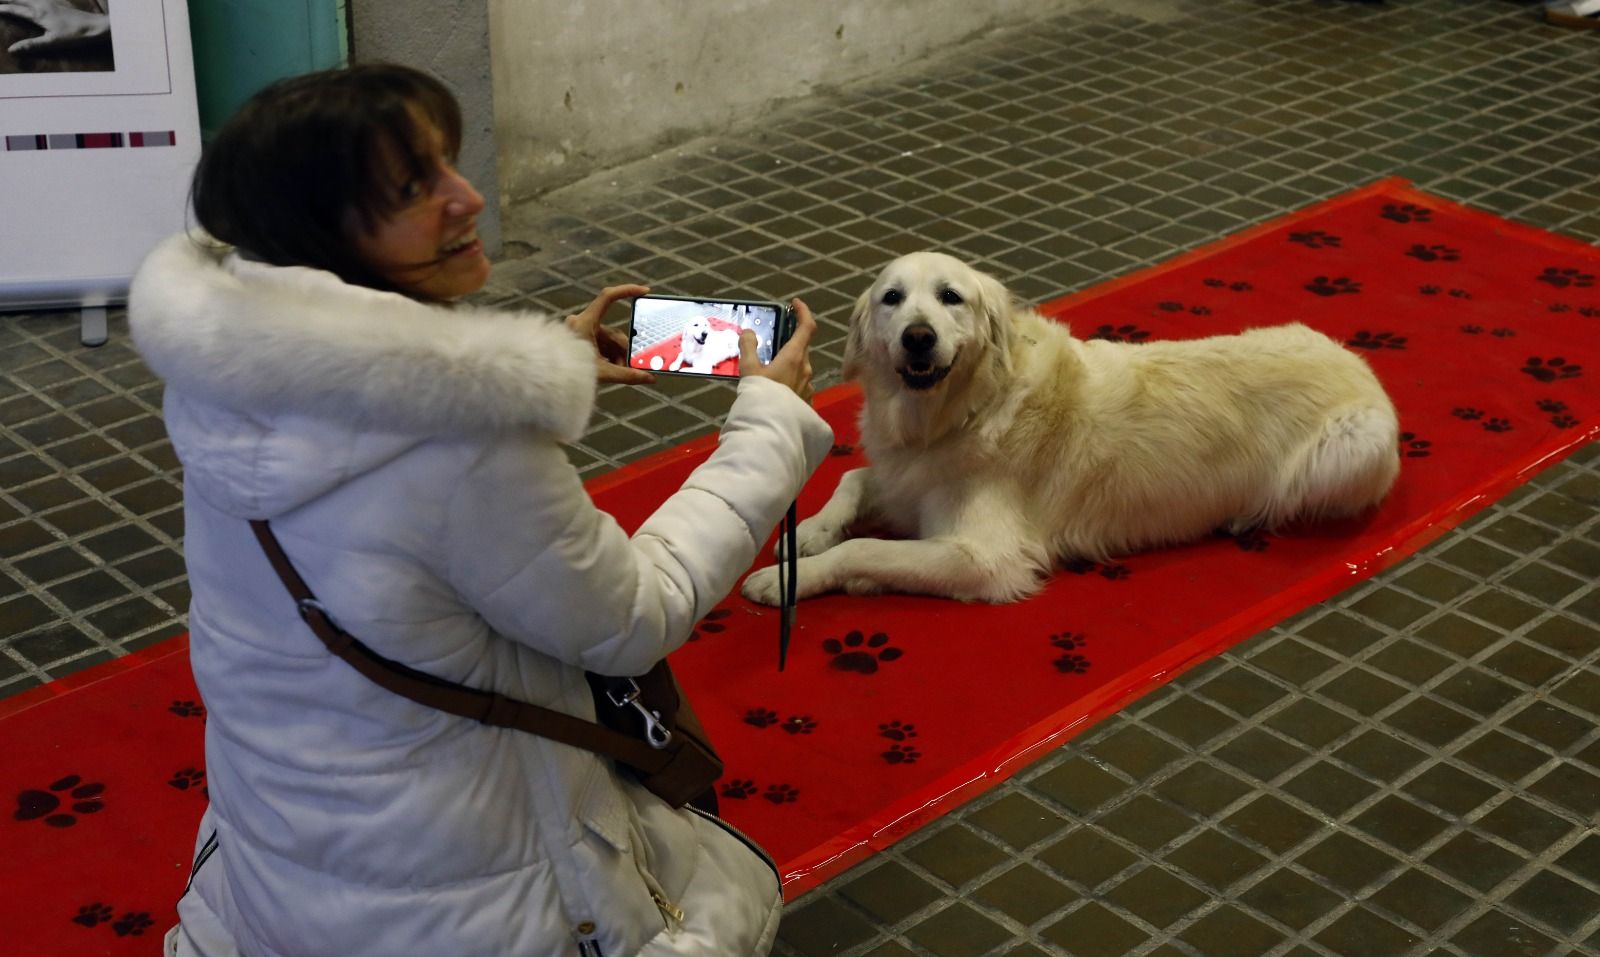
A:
{"x": 698, "y": 337}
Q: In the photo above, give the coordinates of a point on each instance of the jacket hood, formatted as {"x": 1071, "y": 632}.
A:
{"x": 285, "y": 381}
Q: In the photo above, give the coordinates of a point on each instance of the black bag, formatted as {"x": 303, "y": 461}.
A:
{"x": 643, "y": 722}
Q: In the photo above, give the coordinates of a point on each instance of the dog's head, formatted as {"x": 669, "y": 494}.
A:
{"x": 696, "y": 331}
{"x": 925, "y": 316}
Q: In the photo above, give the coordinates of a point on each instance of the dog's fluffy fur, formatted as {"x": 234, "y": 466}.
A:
{"x": 701, "y": 346}
{"x": 999, "y": 444}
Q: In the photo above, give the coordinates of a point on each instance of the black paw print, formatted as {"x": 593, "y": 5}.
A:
{"x": 90, "y": 915}
{"x": 1549, "y": 370}
{"x": 1460, "y": 294}
{"x": 1072, "y": 664}
{"x": 781, "y": 793}
{"x": 132, "y": 925}
{"x": 1214, "y": 283}
{"x": 711, "y": 624}
{"x": 1240, "y": 286}
{"x": 1563, "y": 421}
{"x": 1502, "y": 333}
{"x": 1315, "y": 239}
{"x": 860, "y": 654}
{"x": 1562, "y": 278}
{"x": 1414, "y": 448}
{"x": 738, "y": 788}
{"x": 760, "y": 718}
{"x": 799, "y": 724}
{"x": 1170, "y": 306}
{"x": 1589, "y": 312}
{"x": 188, "y": 778}
{"x": 1115, "y": 572}
{"x": 1472, "y": 330}
{"x": 1120, "y": 334}
{"x": 1496, "y": 425}
{"x": 1251, "y": 541}
{"x": 896, "y": 730}
{"x": 1336, "y": 286}
{"x": 1199, "y": 310}
{"x": 840, "y": 448}
{"x": 901, "y": 754}
{"x": 187, "y": 709}
{"x": 1377, "y": 340}
{"x": 1069, "y": 641}
{"x": 1551, "y": 405}
{"x": 1406, "y": 213}
{"x": 1471, "y": 415}
{"x": 1434, "y": 253}
{"x": 1429, "y": 290}
{"x": 85, "y": 798}
{"x": 1560, "y": 307}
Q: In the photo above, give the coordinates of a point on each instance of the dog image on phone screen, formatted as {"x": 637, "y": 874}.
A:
{"x": 998, "y": 444}
{"x": 701, "y": 346}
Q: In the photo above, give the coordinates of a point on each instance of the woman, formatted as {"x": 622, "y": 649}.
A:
{"x": 407, "y": 454}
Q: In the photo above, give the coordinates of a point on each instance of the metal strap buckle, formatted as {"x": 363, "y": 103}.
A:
{"x": 655, "y": 733}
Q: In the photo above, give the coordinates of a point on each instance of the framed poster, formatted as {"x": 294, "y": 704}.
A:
{"x": 99, "y": 135}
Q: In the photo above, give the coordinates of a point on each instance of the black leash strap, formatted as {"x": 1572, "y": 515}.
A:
{"x": 788, "y": 578}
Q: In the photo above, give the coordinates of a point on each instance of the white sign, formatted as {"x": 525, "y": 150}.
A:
{"x": 99, "y": 136}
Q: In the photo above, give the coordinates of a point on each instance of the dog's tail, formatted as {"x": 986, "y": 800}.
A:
{"x": 1344, "y": 471}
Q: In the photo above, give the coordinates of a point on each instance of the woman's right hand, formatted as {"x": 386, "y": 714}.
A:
{"x": 792, "y": 365}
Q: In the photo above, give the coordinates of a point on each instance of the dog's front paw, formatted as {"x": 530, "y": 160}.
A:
{"x": 761, "y": 586}
{"x": 813, "y": 536}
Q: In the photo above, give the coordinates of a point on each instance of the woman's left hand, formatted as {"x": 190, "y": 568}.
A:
{"x": 611, "y": 345}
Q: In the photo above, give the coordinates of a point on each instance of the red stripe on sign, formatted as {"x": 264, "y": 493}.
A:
{"x": 92, "y": 141}
{"x": 135, "y": 139}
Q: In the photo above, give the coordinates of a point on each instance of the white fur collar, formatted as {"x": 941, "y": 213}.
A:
{"x": 274, "y": 340}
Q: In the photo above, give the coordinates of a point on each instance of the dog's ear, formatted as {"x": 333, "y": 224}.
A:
{"x": 854, "y": 336}
{"x": 998, "y": 308}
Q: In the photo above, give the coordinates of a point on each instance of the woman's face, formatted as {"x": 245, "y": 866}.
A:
{"x": 429, "y": 247}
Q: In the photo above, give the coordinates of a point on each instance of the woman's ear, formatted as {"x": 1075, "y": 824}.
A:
{"x": 854, "y": 340}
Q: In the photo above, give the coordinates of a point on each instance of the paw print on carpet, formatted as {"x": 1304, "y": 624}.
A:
{"x": 738, "y": 788}
{"x": 897, "y": 730}
{"x": 781, "y": 793}
{"x": 860, "y": 654}
{"x": 1068, "y": 641}
{"x": 1376, "y": 340}
{"x": 1333, "y": 286}
{"x": 1072, "y": 664}
{"x": 1502, "y": 333}
{"x": 133, "y": 925}
{"x": 711, "y": 624}
{"x": 760, "y": 718}
{"x": 1120, "y": 334}
{"x": 84, "y": 798}
{"x": 841, "y": 448}
{"x": 1414, "y": 448}
{"x": 1434, "y": 253}
{"x": 187, "y": 709}
{"x": 1561, "y": 278}
{"x": 1236, "y": 286}
{"x": 1471, "y": 415}
{"x": 799, "y": 724}
{"x": 1316, "y": 239}
{"x": 1406, "y": 213}
{"x": 1083, "y": 566}
{"x": 901, "y": 754}
{"x": 1497, "y": 425}
{"x": 1549, "y": 370}
{"x": 91, "y": 915}
{"x": 188, "y": 778}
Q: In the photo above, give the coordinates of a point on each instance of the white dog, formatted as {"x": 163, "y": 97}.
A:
{"x": 701, "y": 346}
{"x": 999, "y": 444}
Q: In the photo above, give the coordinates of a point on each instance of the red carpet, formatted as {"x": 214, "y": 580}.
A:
{"x": 893, "y": 710}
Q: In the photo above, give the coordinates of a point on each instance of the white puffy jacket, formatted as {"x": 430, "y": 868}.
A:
{"x": 408, "y": 458}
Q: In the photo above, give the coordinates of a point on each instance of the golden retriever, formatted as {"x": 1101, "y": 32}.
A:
{"x": 999, "y": 444}
{"x": 701, "y": 346}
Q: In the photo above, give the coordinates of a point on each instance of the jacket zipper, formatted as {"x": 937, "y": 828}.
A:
{"x": 755, "y": 848}
{"x": 588, "y": 939}
{"x": 670, "y": 913}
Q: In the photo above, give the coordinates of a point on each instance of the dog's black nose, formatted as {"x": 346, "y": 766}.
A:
{"x": 919, "y": 339}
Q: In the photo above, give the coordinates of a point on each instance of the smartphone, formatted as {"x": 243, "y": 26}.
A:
{"x": 686, "y": 335}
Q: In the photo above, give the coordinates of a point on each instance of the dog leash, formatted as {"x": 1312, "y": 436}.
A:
{"x": 788, "y": 577}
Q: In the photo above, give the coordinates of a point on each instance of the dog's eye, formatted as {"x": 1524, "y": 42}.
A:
{"x": 950, "y": 297}
{"x": 892, "y": 297}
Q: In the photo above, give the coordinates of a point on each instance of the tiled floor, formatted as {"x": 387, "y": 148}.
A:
{"x": 1411, "y": 768}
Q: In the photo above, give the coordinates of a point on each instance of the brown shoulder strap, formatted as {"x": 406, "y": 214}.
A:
{"x": 483, "y": 706}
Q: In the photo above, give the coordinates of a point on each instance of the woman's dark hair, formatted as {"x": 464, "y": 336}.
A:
{"x": 285, "y": 175}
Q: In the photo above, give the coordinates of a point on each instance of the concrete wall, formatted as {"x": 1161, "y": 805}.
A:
{"x": 583, "y": 84}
